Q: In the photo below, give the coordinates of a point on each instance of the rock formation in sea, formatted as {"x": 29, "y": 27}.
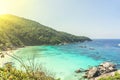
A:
{"x": 102, "y": 69}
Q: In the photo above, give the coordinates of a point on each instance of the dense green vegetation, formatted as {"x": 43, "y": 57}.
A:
{"x": 30, "y": 71}
{"x": 115, "y": 77}
{"x": 17, "y": 31}
{"x": 8, "y": 72}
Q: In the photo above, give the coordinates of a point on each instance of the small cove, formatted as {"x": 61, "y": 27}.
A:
{"x": 63, "y": 60}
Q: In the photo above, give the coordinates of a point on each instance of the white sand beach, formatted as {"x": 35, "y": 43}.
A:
{"x": 4, "y": 57}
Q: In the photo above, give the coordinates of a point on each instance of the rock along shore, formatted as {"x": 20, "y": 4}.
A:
{"x": 103, "y": 70}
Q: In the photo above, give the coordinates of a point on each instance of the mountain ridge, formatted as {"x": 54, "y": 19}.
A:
{"x": 18, "y": 31}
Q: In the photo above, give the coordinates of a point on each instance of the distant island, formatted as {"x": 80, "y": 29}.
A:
{"x": 17, "y": 32}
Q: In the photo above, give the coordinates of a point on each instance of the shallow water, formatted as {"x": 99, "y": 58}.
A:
{"x": 63, "y": 60}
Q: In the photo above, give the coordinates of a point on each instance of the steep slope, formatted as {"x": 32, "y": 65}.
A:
{"x": 17, "y": 31}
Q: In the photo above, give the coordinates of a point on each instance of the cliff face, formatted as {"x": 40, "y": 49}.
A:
{"x": 17, "y": 31}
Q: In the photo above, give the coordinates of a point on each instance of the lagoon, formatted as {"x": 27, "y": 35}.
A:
{"x": 63, "y": 60}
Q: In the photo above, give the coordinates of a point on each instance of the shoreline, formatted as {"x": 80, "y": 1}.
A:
{"x": 5, "y": 56}
{"x": 11, "y": 52}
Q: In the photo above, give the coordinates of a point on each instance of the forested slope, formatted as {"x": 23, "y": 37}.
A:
{"x": 17, "y": 31}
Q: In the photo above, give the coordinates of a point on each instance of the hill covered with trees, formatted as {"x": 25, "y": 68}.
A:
{"x": 17, "y": 31}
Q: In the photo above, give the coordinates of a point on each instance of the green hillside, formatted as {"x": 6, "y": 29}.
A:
{"x": 17, "y": 31}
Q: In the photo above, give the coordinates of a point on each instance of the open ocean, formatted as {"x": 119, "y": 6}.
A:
{"x": 63, "y": 60}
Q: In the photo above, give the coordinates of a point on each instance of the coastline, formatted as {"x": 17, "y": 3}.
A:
{"x": 5, "y": 56}
{"x": 58, "y": 55}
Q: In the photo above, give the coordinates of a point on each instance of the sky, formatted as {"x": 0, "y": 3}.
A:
{"x": 92, "y": 18}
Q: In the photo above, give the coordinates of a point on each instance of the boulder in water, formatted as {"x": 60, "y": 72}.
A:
{"x": 78, "y": 71}
{"x": 93, "y": 72}
{"x": 107, "y": 64}
{"x": 103, "y": 68}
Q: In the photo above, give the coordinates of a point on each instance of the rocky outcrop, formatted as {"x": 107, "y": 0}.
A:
{"x": 103, "y": 68}
{"x": 92, "y": 72}
{"x": 106, "y": 75}
{"x": 78, "y": 71}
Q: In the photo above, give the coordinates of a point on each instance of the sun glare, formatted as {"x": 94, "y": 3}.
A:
{"x": 3, "y": 7}
{"x": 3, "y": 11}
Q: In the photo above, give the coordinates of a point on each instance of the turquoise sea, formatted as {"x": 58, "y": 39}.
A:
{"x": 61, "y": 61}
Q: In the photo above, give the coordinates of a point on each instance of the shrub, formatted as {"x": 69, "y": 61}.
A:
{"x": 115, "y": 77}
{"x": 32, "y": 72}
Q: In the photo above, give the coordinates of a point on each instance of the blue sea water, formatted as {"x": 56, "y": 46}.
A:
{"x": 63, "y": 60}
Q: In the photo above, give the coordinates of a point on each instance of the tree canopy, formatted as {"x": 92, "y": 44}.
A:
{"x": 17, "y": 31}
